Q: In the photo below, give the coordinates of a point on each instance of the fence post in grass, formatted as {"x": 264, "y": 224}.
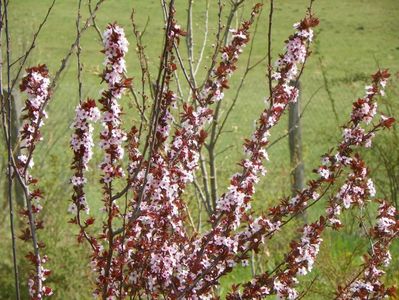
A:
{"x": 16, "y": 107}
{"x": 295, "y": 144}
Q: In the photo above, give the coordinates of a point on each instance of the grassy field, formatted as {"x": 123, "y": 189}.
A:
{"x": 354, "y": 39}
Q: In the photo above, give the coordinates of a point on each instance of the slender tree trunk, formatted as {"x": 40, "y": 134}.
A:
{"x": 295, "y": 144}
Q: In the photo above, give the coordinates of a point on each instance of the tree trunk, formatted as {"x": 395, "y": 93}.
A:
{"x": 295, "y": 144}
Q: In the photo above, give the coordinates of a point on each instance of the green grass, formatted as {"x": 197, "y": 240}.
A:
{"x": 354, "y": 38}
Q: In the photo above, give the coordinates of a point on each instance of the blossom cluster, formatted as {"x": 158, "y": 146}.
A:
{"x": 115, "y": 48}
{"x": 152, "y": 183}
{"x": 368, "y": 284}
{"x": 296, "y": 52}
{"x": 331, "y": 166}
{"x": 355, "y": 191}
{"x": 165, "y": 96}
{"x": 158, "y": 231}
{"x": 112, "y": 135}
{"x": 364, "y": 110}
{"x": 154, "y": 253}
{"x": 133, "y": 151}
{"x": 166, "y": 117}
{"x": 299, "y": 261}
{"x": 301, "y": 258}
{"x": 82, "y": 144}
{"x": 242, "y": 184}
{"x": 188, "y": 140}
{"x": 235, "y": 202}
{"x": 218, "y": 80}
{"x": 328, "y": 171}
{"x": 36, "y": 84}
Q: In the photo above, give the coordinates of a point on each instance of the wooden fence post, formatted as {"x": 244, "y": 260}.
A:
{"x": 16, "y": 107}
{"x": 295, "y": 144}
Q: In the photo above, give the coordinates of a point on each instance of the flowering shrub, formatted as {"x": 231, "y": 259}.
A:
{"x": 145, "y": 248}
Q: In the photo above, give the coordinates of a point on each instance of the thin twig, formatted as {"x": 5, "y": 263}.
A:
{"x": 204, "y": 176}
{"x": 190, "y": 42}
{"x": 202, "y": 196}
{"x": 156, "y": 108}
{"x": 328, "y": 91}
{"x": 179, "y": 59}
{"x": 217, "y": 45}
{"x": 201, "y": 55}
{"x": 9, "y": 146}
{"x": 100, "y": 36}
{"x": 65, "y": 60}
{"x": 248, "y": 68}
{"x": 211, "y": 145}
{"x": 79, "y": 49}
{"x": 145, "y": 74}
{"x": 308, "y": 288}
{"x": 269, "y": 50}
{"x": 32, "y": 45}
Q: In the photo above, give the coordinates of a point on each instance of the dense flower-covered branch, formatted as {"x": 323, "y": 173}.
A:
{"x": 36, "y": 84}
{"x": 181, "y": 161}
{"x": 332, "y": 166}
{"x": 361, "y": 186}
{"x": 82, "y": 147}
{"x": 367, "y": 284}
{"x": 232, "y": 206}
{"x": 111, "y": 138}
{"x": 112, "y": 135}
{"x": 189, "y": 138}
{"x": 153, "y": 254}
{"x": 154, "y": 207}
{"x": 357, "y": 189}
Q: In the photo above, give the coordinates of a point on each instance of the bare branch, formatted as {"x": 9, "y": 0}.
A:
{"x": 8, "y": 138}
{"x": 32, "y": 46}
{"x": 97, "y": 29}
{"x": 79, "y": 49}
{"x": 205, "y": 38}
{"x": 65, "y": 60}
{"x": 269, "y": 48}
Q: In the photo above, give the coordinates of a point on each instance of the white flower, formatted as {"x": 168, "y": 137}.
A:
{"x": 324, "y": 173}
